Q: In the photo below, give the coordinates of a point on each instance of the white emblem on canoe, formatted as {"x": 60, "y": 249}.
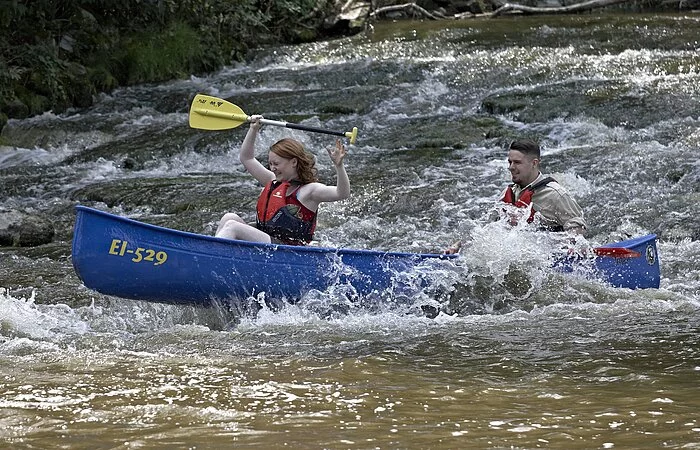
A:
{"x": 650, "y": 255}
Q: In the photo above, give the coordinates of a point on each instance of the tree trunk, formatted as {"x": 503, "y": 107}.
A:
{"x": 510, "y": 8}
{"x": 407, "y": 8}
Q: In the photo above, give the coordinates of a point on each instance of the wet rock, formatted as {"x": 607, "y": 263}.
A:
{"x": 614, "y": 103}
{"x": 350, "y": 19}
{"x": 80, "y": 88}
{"x": 131, "y": 164}
{"x": 15, "y": 108}
{"x": 18, "y": 229}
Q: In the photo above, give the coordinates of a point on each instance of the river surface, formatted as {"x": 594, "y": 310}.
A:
{"x": 552, "y": 362}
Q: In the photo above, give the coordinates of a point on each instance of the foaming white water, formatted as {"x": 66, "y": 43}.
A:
{"x": 579, "y": 132}
{"x": 358, "y": 320}
{"x": 681, "y": 256}
{"x": 140, "y": 118}
{"x": 14, "y": 156}
{"x": 574, "y": 183}
{"x": 426, "y": 99}
{"x": 21, "y": 317}
{"x": 495, "y": 246}
{"x": 429, "y": 90}
{"x": 616, "y": 304}
{"x": 102, "y": 169}
{"x": 643, "y": 68}
{"x": 27, "y": 327}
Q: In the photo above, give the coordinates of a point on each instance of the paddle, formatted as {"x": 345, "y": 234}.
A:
{"x": 211, "y": 113}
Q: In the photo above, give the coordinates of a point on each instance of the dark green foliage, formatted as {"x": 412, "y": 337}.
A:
{"x": 55, "y": 55}
{"x": 174, "y": 53}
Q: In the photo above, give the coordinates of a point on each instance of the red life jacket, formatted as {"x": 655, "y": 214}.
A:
{"x": 283, "y": 216}
{"x": 526, "y": 198}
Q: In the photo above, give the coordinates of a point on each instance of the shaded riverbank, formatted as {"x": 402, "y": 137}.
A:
{"x": 56, "y": 56}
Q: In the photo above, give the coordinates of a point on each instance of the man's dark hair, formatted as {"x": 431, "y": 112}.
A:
{"x": 527, "y": 147}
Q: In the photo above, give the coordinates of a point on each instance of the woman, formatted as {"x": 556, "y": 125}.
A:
{"x": 286, "y": 209}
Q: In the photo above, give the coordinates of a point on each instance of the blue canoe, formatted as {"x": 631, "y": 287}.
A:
{"x": 122, "y": 257}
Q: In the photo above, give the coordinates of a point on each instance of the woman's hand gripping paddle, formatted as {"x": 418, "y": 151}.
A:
{"x": 211, "y": 113}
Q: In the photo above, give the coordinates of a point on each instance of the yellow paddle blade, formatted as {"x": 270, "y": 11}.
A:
{"x": 211, "y": 113}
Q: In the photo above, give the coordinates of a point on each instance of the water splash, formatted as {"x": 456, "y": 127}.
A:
{"x": 21, "y": 318}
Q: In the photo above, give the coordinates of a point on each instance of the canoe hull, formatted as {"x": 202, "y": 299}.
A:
{"x": 125, "y": 258}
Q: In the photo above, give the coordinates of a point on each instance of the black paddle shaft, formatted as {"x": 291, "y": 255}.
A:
{"x": 314, "y": 129}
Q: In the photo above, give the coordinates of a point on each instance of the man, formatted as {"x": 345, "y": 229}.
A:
{"x": 556, "y": 209}
{"x": 547, "y": 202}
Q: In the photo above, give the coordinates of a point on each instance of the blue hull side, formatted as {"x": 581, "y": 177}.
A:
{"x": 122, "y": 257}
{"x": 642, "y": 272}
{"x": 632, "y": 272}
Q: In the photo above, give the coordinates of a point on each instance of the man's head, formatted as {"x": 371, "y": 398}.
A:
{"x": 524, "y": 161}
